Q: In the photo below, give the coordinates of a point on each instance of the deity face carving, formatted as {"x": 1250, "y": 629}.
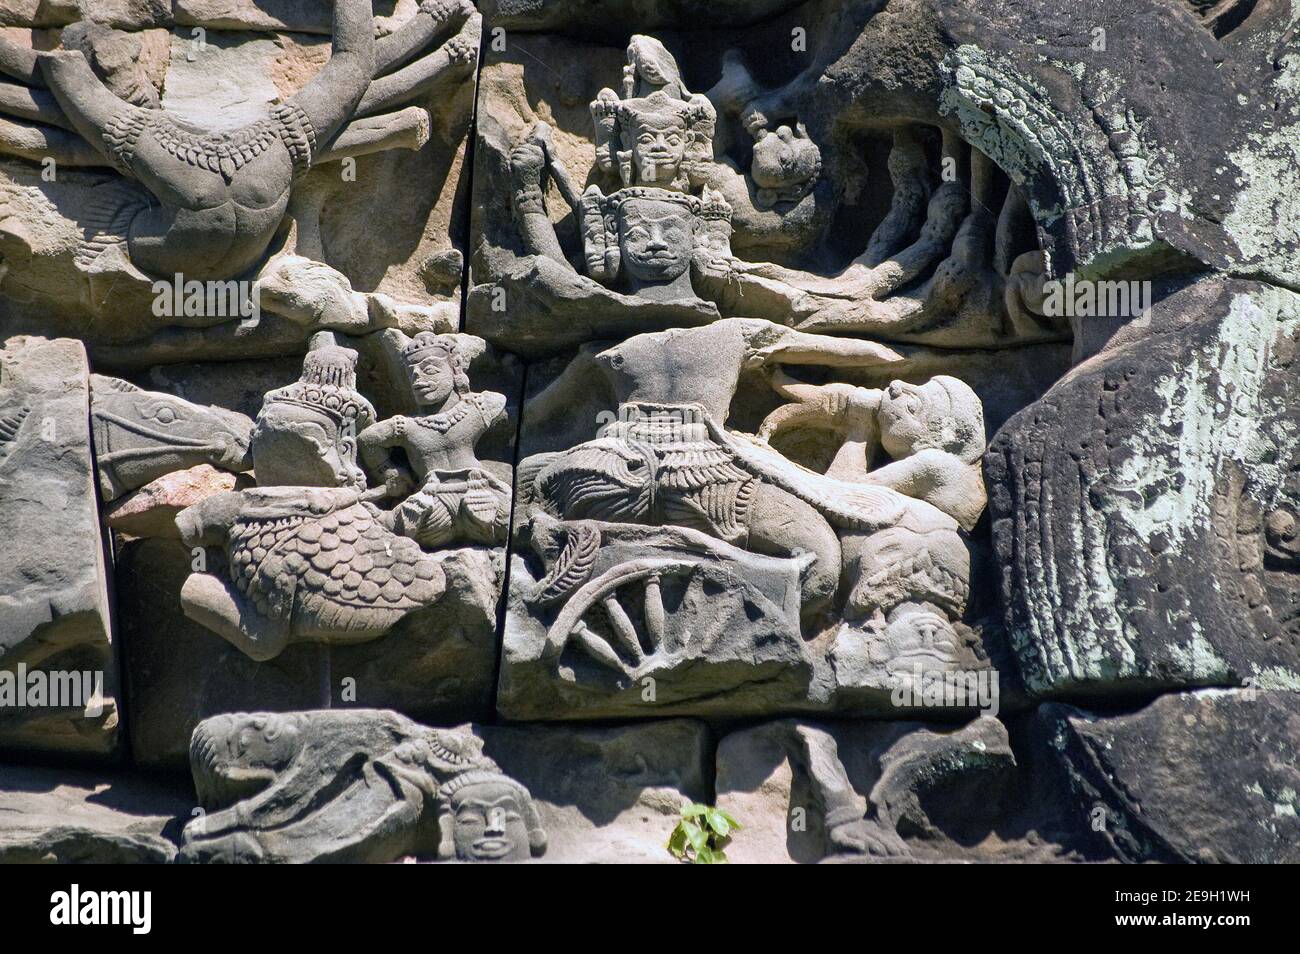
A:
{"x": 658, "y": 146}
{"x": 489, "y": 823}
{"x": 944, "y": 414}
{"x": 921, "y": 639}
{"x": 433, "y": 380}
{"x": 905, "y": 417}
{"x": 655, "y": 239}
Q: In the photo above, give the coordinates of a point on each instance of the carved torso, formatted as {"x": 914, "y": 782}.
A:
{"x": 445, "y": 441}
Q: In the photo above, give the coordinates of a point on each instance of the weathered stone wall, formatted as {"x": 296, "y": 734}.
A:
{"x": 561, "y": 431}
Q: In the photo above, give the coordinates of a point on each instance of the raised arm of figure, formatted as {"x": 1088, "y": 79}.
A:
{"x": 432, "y": 19}
{"x": 375, "y": 444}
{"x": 769, "y": 342}
{"x": 330, "y": 97}
{"x": 458, "y": 54}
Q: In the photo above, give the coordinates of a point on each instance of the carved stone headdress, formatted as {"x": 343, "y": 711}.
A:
{"x": 328, "y": 385}
{"x": 696, "y": 116}
{"x": 600, "y": 215}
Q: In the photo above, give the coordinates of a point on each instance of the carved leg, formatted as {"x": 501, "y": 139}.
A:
{"x": 216, "y": 604}
{"x": 910, "y": 176}
{"x": 781, "y": 524}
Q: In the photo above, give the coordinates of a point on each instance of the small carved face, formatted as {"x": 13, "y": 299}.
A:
{"x": 655, "y": 239}
{"x": 265, "y": 740}
{"x": 489, "y": 823}
{"x": 905, "y": 417}
{"x": 432, "y": 379}
{"x": 923, "y": 640}
{"x": 659, "y": 146}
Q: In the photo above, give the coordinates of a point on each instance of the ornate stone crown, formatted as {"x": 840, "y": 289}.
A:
{"x": 614, "y": 200}
{"x": 328, "y": 385}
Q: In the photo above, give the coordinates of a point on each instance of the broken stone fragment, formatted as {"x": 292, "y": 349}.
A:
{"x": 1193, "y": 777}
{"x": 151, "y": 511}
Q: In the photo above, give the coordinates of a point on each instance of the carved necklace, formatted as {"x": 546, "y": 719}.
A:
{"x": 444, "y": 421}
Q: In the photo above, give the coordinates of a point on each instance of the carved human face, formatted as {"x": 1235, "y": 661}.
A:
{"x": 432, "y": 379}
{"x": 489, "y": 823}
{"x": 659, "y": 146}
{"x": 921, "y": 639}
{"x": 655, "y": 239}
{"x": 905, "y": 417}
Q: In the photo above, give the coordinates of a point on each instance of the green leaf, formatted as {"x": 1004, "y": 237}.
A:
{"x": 720, "y": 857}
{"x": 717, "y": 821}
{"x": 696, "y": 836}
{"x": 735, "y": 825}
{"x": 704, "y": 856}
{"x": 677, "y": 842}
{"x": 694, "y": 811}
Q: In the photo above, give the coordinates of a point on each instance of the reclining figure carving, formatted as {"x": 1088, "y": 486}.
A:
{"x": 358, "y": 785}
{"x": 882, "y": 546}
{"x": 669, "y": 460}
{"x": 911, "y": 580}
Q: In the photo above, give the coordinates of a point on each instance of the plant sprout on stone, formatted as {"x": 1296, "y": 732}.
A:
{"x": 702, "y": 834}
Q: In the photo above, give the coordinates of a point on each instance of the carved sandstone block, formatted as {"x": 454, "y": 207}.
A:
{"x": 55, "y": 616}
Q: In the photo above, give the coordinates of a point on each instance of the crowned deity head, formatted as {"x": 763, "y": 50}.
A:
{"x": 484, "y": 815}
{"x": 306, "y": 433}
{"x": 661, "y": 139}
{"x": 436, "y": 370}
{"x": 647, "y": 239}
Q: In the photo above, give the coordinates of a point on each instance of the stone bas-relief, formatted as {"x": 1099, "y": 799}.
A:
{"x": 673, "y": 553}
{"x": 730, "y": 435}
{"x": 674, "y": 230}
{"x": 310, "y": 554}
{"x": 195, "y": 225}
{"x": 363, "y": 785}
{"x": 308, "y": 581}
